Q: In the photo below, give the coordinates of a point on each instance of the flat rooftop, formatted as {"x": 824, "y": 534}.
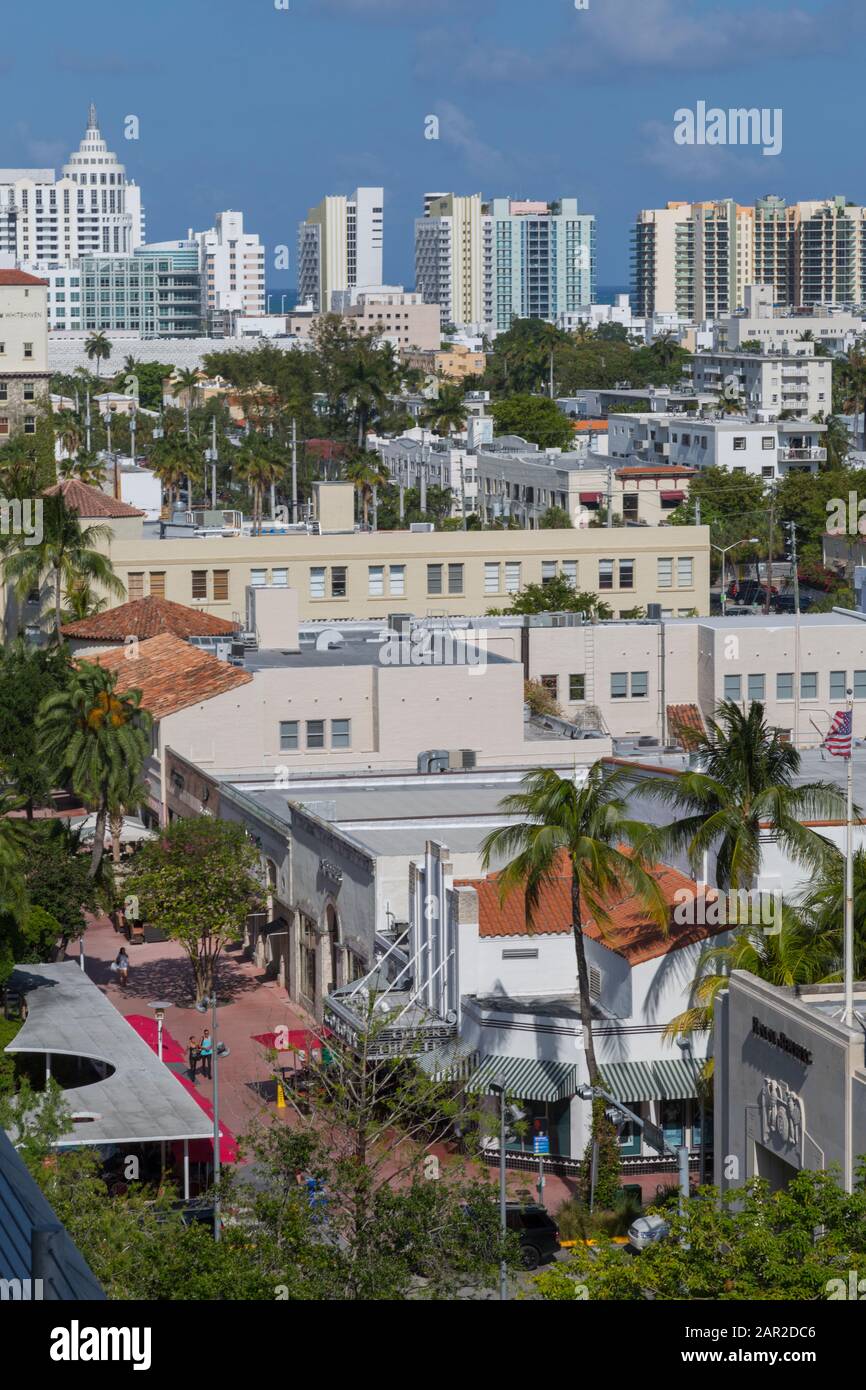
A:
{"x": 142, "y": 1101}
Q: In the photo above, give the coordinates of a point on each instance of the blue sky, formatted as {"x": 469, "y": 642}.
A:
{"x": 246, "y": 106}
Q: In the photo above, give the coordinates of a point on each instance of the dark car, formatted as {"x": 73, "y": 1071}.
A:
{"x": 539, "y": 1234}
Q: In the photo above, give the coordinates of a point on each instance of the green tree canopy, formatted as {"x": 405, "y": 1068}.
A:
{"x": 535, "y": 418}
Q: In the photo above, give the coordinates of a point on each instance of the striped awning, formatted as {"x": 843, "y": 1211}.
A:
{"x": 448, "y": 1063}
{"x": 670, "y": 1078}
{"x": 526, "y": 1078}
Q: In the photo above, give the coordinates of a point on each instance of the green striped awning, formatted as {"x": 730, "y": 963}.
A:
{"x": 526, "y": 1078}
{"x": 447, "y": 1063}
{"x": 672, "y": 1078}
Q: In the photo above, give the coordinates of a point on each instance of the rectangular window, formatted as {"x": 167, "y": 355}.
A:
{"x": 258, "y": 578}
{"x": 315, "y": 733}
{"x": 605, "y": 574}
{"x": 28, "y": 349}
{"x": 733, "y": 689}
{"x": 784, "y": 685}
{"x": 157, "y": 583}
{"x": 860, "y": 685}
{"x": 341, "y": 733}
{"x": 768, "y": 441}
{"x": 685, "y": 571}
{"x": 569, "y": 572}
{"x": 28, "y": 390}
{"x": 455, "y": 579}
{"x": 317, "y": 581}
{"x": 739, "y": 441}
{"x": 577, "y": 687}
{"x": 512, "y": 576}
{"x": 338, "y": 581}
{"x": 548, "y": 571}
{"x": 288, "y": 735}
{"x": 838, "y": 683}
{"x": 135, "y": 585}
{"x": 397, "y": 580}
{"x": 619, "y": 685}
{"x": 220, "y": 586}
{"x": 199, "y": 583}
{"x": 279, "y": 577}
{"x": 4, "y": 424}
{"x": 665, "y": 572}
{"x": 376, "y": 581}
{"x": 639, "y": 685}
{"x": 626, "y": 574}
{"x": 755, "y": 685}
{"x": 434, "y": 579}
{"x": 491, "y": 577}
{"x": 29, "y": 424}
{"x": 808, "y": 685}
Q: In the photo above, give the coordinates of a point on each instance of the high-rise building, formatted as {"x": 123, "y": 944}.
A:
{"x": 92, "y": 209}
{"x": 487, "y": 263}
{"x": 696, "y": 259}
{"x": 233, "y": 266}
{"x": 340, "y": 246}
{"x": 156, "y": 292}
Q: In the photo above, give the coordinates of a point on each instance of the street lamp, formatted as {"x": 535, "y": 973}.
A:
{"x": 159, "y": 1007}
{"x": 723, "y": 550}
{"x": 210, "y": 1002}
{"x": 497, "y": 1086}
{"x": 681, "y": 1154}
{"x": 685, "y": 1046}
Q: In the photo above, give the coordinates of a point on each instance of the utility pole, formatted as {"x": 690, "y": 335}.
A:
{"x": 697, "y": 511}
{"x": 609, "y": 496}
{"x": 87, "y": 423}
{"x": 213, "y": 462}
{"x": 791, "y": 528}
{"x": 294, "y": 470}
{"x": 463, "y": 494}
{"x": 770, "y": 548}
{"x": 551, "y": 373}
{"x": 132, "y": 427}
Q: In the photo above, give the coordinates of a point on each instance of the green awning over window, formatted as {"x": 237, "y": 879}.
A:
{"x": 674, "y": 1078}
{"x": 448, "y": 1063}
{"x": 526, "y": 1078}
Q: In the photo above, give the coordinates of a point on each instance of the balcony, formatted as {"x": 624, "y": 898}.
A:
{"x": 810, "y": 455}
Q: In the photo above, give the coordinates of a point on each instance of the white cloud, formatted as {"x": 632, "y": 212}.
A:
{"x": 458, "y": 131}
{"x": 710, "y": 164}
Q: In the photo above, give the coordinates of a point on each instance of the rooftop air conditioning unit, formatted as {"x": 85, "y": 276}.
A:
{"x": 434, "y": 760}
{"x": 423, "y": 526}
{"x": 461, "y": 759}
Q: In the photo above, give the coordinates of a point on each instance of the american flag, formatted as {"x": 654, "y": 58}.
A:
{"x": 838, "y": 740}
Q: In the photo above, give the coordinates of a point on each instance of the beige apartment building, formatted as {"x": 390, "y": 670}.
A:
{"x": 24, "y": 373}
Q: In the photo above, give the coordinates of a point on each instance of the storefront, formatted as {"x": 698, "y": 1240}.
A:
{"x": 790, "y": 1082}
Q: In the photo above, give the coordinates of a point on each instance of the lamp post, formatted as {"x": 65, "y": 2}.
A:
{"x": 159, "y": 1007}
{"x": 497, "y": 1086}
{"x": 685, "y": 1046}
{"x": 210, "y": 1002}
{"x": 723, "y": 551}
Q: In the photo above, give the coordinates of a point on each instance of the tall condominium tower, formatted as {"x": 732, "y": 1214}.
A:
{"x": 340, "y": 246}
{"x": 696, "y": 259}
{"x": 487, "y": 263}
{"x": 233, "y": 267}
{"x": 92, "y": 209}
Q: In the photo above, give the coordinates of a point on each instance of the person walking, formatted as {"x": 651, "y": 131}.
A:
{"x": 193, "y": 1056}
{"x": 205, "y": 1053}
{"x": 122, "y": 966}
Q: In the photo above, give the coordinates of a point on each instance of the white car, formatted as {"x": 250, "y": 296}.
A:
{"x": 647, "y": 1230}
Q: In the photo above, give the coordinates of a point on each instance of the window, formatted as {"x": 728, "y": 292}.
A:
{"x": 4, "y": 424}
{"x": 605, "y": 574}
{"x": 739, "y": 441}
{"x": 28, "y": 349}
{"x": 755, "y": 687}
{"x": 258, "y": 578}
{"x": 341, "y": 733}
{"x": 551, "y": 685}
{"x": 665, "y": 572}
{"x": 784, "y": 685}
{"x": 397, "y": 580}
{"x": 626, "y": 574}
{"x": 288, "y": 735}
{"x": 512, "y": 576}
{"x": 860, "y": 685}
{"x": 491, "y": 577}
{"x": 220, "y": 586}
{"x": 135, "y": 585}
{"x": 768, "y": 441}
{"x": 28, "y": 390}
{"x": 685, "y": 571}
{"x": 157, "y": 583}
{"x": 317, "y": 581}
{"x": 434, "y": 579}
{"x": 376, "y": 581}
{"x": 455, "y": 579}
{"x": 29, "y": 424}
{"x": 808, "y": 685}
{"x": 338, "y": 581}
{"x": 838, "y": 683}
{"x": 199, "y": 583}
{"x": 630, "y": 506}
{"x": 577, "y": 687}
{"x": 315, "y": 733}
{"x": 639, "y": 685}
{"x": 548, "y": 571}
{"x": 279, "y": 577}
{"x": 569, "y": 572}
{"x": 619, "y": 685}
{"x": 733, "y": 687}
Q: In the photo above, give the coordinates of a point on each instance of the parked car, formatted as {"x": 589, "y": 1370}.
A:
{"x": 539, "y": 1234}
{"x": 647, "y": 1230}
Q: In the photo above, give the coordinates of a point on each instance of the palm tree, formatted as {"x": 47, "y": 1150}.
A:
{"x": 852, "y": 383}
{"x": 186, "y": 384}
{"x": 81, "y": 601}
{"x": 367, "y": 472}
{"x": 68, "y": 429}
{"x": 744, "y": 787}
{"x": 260, "y": 465}
{"x": 96, "y": 741}
{"x": 166, "y": 463}
{"x": 98, "y": 349}
{"x": 579, "y": 833}
{"x": 367, "y": 377}
{"x": 822, "y": 907}
{"x": 66, "y": 553}
{"x": 448, "y": 412}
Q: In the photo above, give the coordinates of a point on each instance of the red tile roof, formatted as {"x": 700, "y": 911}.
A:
{"x": 148, "y": 617}
{"x": 630, "y": 932}
{"x": 171, "y": 674}
{"x": 686, "y": 725}
{"x": 91, "y": 502}
{"x": 19, "y": 277}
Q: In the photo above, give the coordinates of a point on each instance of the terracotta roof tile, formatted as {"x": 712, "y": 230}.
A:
{"x": 171, "y": 674}
{"x": 90, "y": 501}
{"x": 686, "y": 725}
{"x": 630, "y": 933}
{"x": 148, "y": 617}
{"x": 19, "y": 277}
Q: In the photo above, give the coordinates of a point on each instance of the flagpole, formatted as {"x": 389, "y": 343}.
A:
{"x": 848, "y": 1015}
